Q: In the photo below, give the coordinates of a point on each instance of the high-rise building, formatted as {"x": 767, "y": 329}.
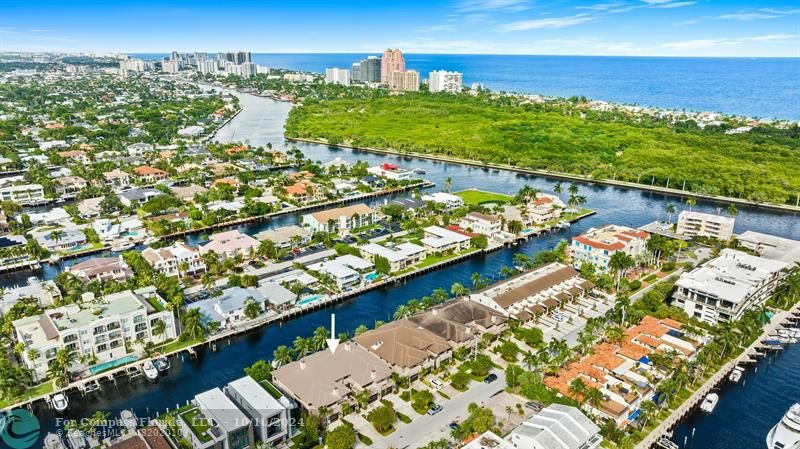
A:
{"x": 170, "y": 66}
{"x": 391, "y": 62}
{"x": 200, "y": 58}
{"x": 248, "y": 69}
{"x": 241, "y": 57}
{"x": 367, "y": 70}
{"x": 355, "y": 72}
{"x": 444, "y": 81}
{"x": 174, "y": 56}
{"x": 337, "y": 76}
{"x": 207, "y": 66}
{"x": 406, "y": 81}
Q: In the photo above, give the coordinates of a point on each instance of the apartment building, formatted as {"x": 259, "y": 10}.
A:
{"x": 176, "y": 260}
{"x": 341, "y": 220}
{"x": 439, "y": 240}
{"x": 392, "y": 61}
{"x": 213, "y": 420}
{"x": 699, "y": 224}
{"x": 97, "y": 327}
{"x": 400, "y": 256}
{"x": 286, "y": 236}
{"x": 337, "y": 76}
{"x": 486, "y": 224}
{"x": 728, "y": 285}
{"x": 444, "y": 81}
{"x": 24, "y": 195}
{"x": 597, "y": 245}
{"x": 534, "y": 293}
{"x": 266, "y": 407}
{"x": 404, "y": 81}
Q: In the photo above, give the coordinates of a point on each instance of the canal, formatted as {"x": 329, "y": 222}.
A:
{"x": 260, "y": 122}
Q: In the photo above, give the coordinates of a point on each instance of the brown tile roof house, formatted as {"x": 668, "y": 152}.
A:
{"x": 324, "y": 379}
{"x": 348, "y": 211}
{"x": 459, "y": 321}
{"x": 535, "y": 286}
{"x": 132, "y": 442}
{"x": 155, "y": 439}
{"x": 405, "y": 346}
{"x": 102, "y": 269}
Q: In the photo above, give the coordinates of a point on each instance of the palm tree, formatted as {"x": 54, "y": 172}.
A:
{"x": 669, "y": 208}
{"x": 619, "y": 264}
{"x": 558, "y": 189}
{"x": 360, "y": 330}
{"x": 578, "y": 389}
{"x": 301, "y": 347}
{"x": 60, "y": 366}
{"x": 448, "y": 184}
{"x": 573, "y": 189}
{"x": 159, "y": 327}
{"x": 282, "y": 355}
{"x": 193, "y": 324}
{"x": 691, "y": 202}
{"x": 319, "y": 338}
{"x": 401, "y": 312}
{"x": 732, "y": 211}
{"x": 458, "y": 290}
{"x": 594, "y": 397}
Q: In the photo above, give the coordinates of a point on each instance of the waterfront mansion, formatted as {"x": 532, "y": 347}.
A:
{"x": 96, "y": 328}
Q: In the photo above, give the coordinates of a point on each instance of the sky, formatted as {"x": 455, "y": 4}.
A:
{"x": 556, "y": 27}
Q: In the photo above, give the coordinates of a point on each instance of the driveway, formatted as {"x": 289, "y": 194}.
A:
{"x": 424, "y": 429}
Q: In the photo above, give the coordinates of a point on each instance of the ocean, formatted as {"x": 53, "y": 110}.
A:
{"x": 753, "y": 87}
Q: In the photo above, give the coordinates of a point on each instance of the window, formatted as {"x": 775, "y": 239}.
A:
{"x": 239, "y": 439}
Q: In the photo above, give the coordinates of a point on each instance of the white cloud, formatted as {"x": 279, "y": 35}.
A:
{"x": 548, "y": 23}
{"x": 707, "y": 44}
{"x": 435, "y": 28}
{"x": 748, "y": 16}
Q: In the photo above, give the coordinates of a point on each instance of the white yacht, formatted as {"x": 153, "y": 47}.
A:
{"x": 786, "y": 434}
{"x": 150, "y": 371}
{"x": 60, "y": 402}
{"x": 736, "y": 374}
{"x": 53, "y": 441}
{"x": 76, "y": 439}
{"x": 710, "y": 402}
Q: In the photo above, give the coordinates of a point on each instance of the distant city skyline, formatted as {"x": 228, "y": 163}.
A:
{"x": 602, "y": 27}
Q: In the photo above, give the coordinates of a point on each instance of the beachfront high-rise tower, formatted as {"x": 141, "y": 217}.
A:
{"x": 392, "y": 61}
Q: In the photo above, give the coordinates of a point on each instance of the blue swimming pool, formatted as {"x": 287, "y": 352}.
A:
{"x": 308, "y": 300}
{"x": 372, "y": 276}
{"x": 100, "y": 367}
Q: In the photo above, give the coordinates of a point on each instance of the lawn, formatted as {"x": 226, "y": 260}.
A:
{"x": 271, "y": 389}
{"x": 35, "y": 391}
{"x": 176, "y": 345}
{"x": 198, "y": 423}
{"x": 477, "y": 197}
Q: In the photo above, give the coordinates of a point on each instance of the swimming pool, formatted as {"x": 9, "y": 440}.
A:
{"x": 372, "y": 276}
{"x": 100, "y": 367}
{"x": 308, "y": 300}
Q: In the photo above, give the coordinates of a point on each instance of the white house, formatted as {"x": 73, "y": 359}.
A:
{"x": 439, "y": 240}
{"x": 170, "y": 260}
{"x": 488, "y": 225}
{"x": 448, "y": 200}
{"x": 400, "y": 256}
{"x": 24, "y": 195}
{"x": 556, "y": 426}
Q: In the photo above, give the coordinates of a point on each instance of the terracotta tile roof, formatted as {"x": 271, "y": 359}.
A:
{"x": 155, "y": 439}
{"x": 145, "y": 170}
{"x": 297, "y": 188}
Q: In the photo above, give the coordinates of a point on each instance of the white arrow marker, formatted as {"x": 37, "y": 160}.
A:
{"x": 333, "y": 342}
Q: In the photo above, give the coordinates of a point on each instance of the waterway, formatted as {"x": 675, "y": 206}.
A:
{"x": 261, "y": 122}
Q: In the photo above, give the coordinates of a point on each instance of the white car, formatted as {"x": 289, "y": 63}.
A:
{"x": 436, "y": 383}
{"x": 558, "y": 317}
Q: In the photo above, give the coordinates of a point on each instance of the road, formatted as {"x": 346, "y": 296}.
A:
{"x": 424, "y": 429}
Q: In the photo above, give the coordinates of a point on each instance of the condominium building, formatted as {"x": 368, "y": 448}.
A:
{"x": 444, "y": 81}
{"x": 728, "y": 285}
{"x": 597, "y": 245}
{"x": 556, "y": 426}
{"x": 266, "y": 407}
{"x": 340, "y": 220}
{"x": 176, "y": 260}
{"x": 367, "y": 70}
{"x": 534, "y": 293}
{"x": 24, "y": 195}
{"x": 101, "y": 269}
{"x": 439, "y": 240}
{"x": 213, "y": 420}
{"x": 404, "y": 81}
{"x": 169, "y": 66}
{"x": 699, "y": 224}
{"x": 95, "y": 327}
{"x": 392, "y": 61}
{"x": 488, "y": 225}
{"x": 406, "y": 347}
{"x": 400, "y": 256}
{"x": 337, "y": 76}
{"x": 286, "y": 236}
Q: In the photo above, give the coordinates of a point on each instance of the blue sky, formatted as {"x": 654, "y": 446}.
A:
{"x": 601, "y": 27}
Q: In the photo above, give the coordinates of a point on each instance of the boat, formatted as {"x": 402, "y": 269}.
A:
{"x": 129, "y": 420}
{"x": 91, "y": 386}
{"x": 60, "y": 402}
{"x": 149, "y": 370}
{"x": 786, "y": 434}
{"x": 736, "y": 374}
{"x": 53, "y": 441}
{"x": 150, "y": 240}
{"x": 124, "y": 246}
{"x": 666, "y": 443}
{"x": 418, "y": 171}
{"x": 709, "y": 403}
{"x": 563, "y": 224}
{"x": 77, "y": 440}
{"x": 161, "y": 364}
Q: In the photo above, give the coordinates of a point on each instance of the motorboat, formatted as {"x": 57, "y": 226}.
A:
{"x": 418, "y": 171}
{"x": 60, "y": 402}
{"x": 53, "y": 441}
{"x": 129, "y": 420}
{"x": 77, "y": 440}
{"x": 91, "y": 386}
{"x": 736, "y": 375}
{"x": 149, "y": 370}
{"x": 162, "y": 364}
{"x": 710, "y": 402}
{"x": 150, "y": 240}
{"x": 666, "y": 443}
{"x": 123, "y": 246}
{"x": 786, "y": 434}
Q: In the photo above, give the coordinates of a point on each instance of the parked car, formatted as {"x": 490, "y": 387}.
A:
{"x": 436, "y": 383}
{"x": 453, "y": 425}
{"x": 490, "y": 378}
{"x": 435, "y": 408}
{"x": 533, "y": 405}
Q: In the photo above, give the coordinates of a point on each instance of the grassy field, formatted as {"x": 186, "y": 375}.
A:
{"x": 478, "y": 197}
{"x": 38, "y": 390}
{"x": 761, "y": 165}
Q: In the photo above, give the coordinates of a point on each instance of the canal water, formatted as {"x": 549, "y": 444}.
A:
{"x": 260, "y": 122}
